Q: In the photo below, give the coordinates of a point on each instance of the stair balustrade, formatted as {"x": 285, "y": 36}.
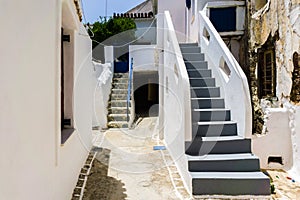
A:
{"x": 231, "y": 78}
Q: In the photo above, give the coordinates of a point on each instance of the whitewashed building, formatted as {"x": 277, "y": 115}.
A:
{"x": 46, "y": 98}
{"x": 264, "y": 39}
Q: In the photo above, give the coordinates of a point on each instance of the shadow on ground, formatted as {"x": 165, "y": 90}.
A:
{"x": 101, "y": 186}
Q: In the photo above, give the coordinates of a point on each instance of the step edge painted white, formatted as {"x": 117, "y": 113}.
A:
{"x": 222, "y": 138}
{"x": 214, "y": 157}
{"x": 229, "y": 175}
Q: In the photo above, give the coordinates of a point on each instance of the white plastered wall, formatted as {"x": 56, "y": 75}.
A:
{"x": 33, "y": 163}
{"x": 177, "y": 11}
{"x": 265, "y": 23}
{"x": 276, "y": 142}
{"x": 295, "y": 137}
{"x": 144, "y": 57}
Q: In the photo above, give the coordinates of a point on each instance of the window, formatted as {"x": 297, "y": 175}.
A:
{"x": 223, "y": 19}
{"x": 295, "y": 93}
{"x": 67, "y": 70}
{"x": 267, "y": 73}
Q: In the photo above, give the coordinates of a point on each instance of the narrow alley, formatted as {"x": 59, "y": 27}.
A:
{"x": 144, "y": 171}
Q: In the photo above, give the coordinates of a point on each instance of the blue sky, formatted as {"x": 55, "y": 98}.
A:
{"x": 95, "y": 8}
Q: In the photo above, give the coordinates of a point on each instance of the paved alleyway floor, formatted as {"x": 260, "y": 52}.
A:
{"x": 127, "y": 167}
{"x": 145, "y": 173}
{"x": 285, "y": 187}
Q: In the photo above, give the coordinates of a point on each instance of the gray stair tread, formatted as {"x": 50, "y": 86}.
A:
{"x": 188, "y": 44}
{"x": 228, "y": 175}
{"x": 194, "y": 80}
{"x": 216, "y": 122}
{"x": 191, "y": 47}
{"x": 193, "y": 56}
{"x": 184, "y": 45}
{"x": 202, "y": 87}
{"x": 195, "y": 61}
{"x": 199, "y": 78}
{"x": 191, "y": 53}
{"x": 210, "y": 109}
{"x": 209, "y": 157}
{"x": 194, "y": 70}
{"x": 222, "y": 138}
{"x": 200, "y": 98}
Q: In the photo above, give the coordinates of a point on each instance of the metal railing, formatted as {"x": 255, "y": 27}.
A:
{"x": 129, "y": 87}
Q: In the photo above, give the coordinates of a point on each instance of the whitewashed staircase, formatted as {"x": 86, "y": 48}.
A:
{"x": 117, "y": 107}
{"x": 220, "y": 162}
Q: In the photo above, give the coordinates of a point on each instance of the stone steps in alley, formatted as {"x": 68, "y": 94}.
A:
{"x": 118, "y": 114}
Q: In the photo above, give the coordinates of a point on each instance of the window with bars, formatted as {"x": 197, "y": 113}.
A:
{"x": 267, "y": 73}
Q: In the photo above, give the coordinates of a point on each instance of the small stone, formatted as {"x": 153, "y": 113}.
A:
{"x": 144, "y": 183}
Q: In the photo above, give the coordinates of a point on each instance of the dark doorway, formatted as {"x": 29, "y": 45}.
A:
{"x": 146, "y": 94}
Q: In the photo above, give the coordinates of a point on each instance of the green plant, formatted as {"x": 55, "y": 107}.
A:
{"x": 104, "y": 29}
{"x": 272, "y": 188}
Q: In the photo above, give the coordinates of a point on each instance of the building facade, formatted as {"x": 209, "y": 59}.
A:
{"x": 273, "y": 64}
{"x": 46, "y": 98}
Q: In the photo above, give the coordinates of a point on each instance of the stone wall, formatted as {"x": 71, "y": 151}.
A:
{"x": 277, "y": 21}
